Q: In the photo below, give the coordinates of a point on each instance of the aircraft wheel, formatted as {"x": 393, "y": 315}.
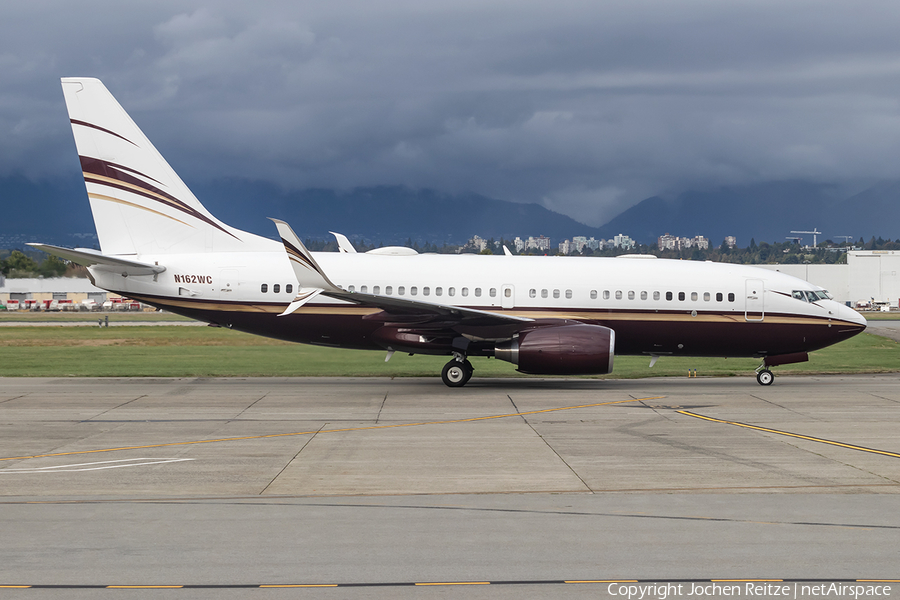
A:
{"x": 456, "y": 373}
{"x": 469, "y": 369}
{"x": 765, "y": 377}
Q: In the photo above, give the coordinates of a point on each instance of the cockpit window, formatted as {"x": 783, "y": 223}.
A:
{"x": 811, "y": 295}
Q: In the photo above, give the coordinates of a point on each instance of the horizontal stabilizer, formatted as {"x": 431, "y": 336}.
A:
{"x": 91, "y": 258}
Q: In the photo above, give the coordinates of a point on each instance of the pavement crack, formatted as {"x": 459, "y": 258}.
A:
{"x": 883, "y": 398}
{"x": 293, "y": 458}
{"x": 552, "y": 449}
{"x": 114, "y": 408}
{"x": 13, "y": 398}
{"x": 381, "y": 408}
{"x": 248, "y": 407}
{"x": 785, "y": 408}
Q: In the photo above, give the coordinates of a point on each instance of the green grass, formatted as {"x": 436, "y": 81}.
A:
{"x": 26, "y": 316}
{"x": 171, "y": 351}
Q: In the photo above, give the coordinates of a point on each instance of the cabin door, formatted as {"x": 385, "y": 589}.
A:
{"x": 507, "y": 296}
{"x": 755, "y": 292}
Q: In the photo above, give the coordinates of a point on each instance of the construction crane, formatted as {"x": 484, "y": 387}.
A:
{"x": 814, "y": 233}
{"x": 846, "y": 238}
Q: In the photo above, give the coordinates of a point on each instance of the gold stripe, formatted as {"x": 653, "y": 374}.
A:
{"x": 259, "y": 308}
{"x": 793, "y": 435}
{"x": 536, "y": 314}
{"x": 133, "y": 205}
{"x": 275, "y": 435}
{"x": 93, "y": 177}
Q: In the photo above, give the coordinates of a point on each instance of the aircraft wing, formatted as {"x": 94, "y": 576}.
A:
{"x": 313, "y": 281}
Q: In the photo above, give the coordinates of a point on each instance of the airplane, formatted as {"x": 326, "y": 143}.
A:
{"x": 546, "y": 315}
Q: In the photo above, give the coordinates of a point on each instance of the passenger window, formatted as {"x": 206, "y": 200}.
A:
{"x": 388, "y": 289}
{"x": 643, "y": 295}
{"x": 426, "y": 291}
{"x": 593, "y": 294}
{"x": 543, "y": 293}
{"x": 556, "y": 293}
{"x": 606, "y": 294}
{"x": 656, "y": 295}
{"x": 568, "y": 294}
{"x": 438, "y": 291}
{"x": 532, "y": 293}
{"x": 493, "y": 292}
{"x": 508, "y": 292}
{"x": 731, "y": 297}
{"x": 288, "y": 288}
{"x": 276, "y": 288}
{"x": 451, "y": 292}
{"x": 631, "y": 295}
{"x": 401, "y": 290}
{"x": 376, "y": 289}
{"x": 363, "y": 288}
{"x": 681, "y": 296}
{"x": 618, "y": 294}
{"x": 694, "y": 296}
{"x": 669, "y": 296}
{"x": 352, "y": 288}
{"x": 465, "y": 291}
{"x": 478, "y": 292}
{"x": 264, "y": 288}
{"x": 706, "y": 296}
{"x": 413, "y": 291}
{"x": 718, "y": 296}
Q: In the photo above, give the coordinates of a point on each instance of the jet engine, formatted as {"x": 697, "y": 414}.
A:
{"x": 576, "y": 349}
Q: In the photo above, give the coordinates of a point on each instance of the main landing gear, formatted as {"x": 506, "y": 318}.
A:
{"x": 457, "y": 372}
{"x": 764, "y": 376}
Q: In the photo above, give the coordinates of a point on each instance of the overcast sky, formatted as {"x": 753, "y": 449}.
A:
{"x": 585, "y": 107}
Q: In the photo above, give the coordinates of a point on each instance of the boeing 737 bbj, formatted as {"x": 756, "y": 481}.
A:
{"x": 547, "y": 315}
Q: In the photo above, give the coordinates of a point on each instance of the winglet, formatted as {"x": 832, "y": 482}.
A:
{"x": 303, "y": 296}
{"x": 309, "y": 274}
{"x": 344, "y": 244}
{"x": 506, "y": 251}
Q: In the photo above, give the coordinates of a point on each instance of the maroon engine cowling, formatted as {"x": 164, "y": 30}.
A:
{"x": 576, "y": 349}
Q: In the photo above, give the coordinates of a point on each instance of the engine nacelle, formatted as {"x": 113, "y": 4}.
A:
{"x": 576, "y": 349}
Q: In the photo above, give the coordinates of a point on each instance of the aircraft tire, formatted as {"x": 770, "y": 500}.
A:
{"x": 765, "y": 377}
{"x": 456, "y": 373}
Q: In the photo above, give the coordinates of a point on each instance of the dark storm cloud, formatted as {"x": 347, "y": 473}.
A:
{"x": 583, "y": 106}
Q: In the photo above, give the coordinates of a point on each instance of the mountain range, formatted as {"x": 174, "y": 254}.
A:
{"x": 58, "y": 212}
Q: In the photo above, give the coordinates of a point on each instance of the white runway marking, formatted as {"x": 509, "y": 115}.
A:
{"x": 96, "y": 466}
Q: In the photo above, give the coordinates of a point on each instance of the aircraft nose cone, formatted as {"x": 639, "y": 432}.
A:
{"x": 848, "y": 314}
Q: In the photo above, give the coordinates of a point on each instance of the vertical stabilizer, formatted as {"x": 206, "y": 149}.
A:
{"x": 139, "y": 203}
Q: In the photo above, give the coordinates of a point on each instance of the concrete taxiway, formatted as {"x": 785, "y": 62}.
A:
{"x": 376, "y": 485}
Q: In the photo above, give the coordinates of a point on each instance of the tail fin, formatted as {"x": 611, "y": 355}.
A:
{"x": 139, "y": 203}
